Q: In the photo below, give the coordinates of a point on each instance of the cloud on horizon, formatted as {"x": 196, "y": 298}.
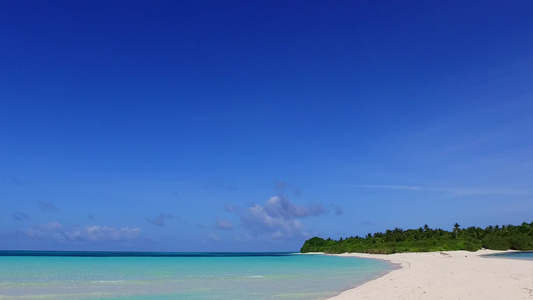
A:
{"x": 278, "y": 217}
{"x": 56, "y": 231}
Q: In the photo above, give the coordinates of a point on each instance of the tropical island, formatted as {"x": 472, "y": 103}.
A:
{"x": 425, "y": 239}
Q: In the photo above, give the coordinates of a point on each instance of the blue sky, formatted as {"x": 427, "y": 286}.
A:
{"x": 254, "y": 125}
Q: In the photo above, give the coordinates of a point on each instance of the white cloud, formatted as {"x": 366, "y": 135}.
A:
{"x": 278, "y": 217}
{"x": 56, "y": 231}
{"x": 52, "y": 230}
{"x": 282, "y": 207}
{"x": 103, "y": 233}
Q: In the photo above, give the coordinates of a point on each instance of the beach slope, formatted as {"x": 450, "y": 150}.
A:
{"x": 447, "y": 275}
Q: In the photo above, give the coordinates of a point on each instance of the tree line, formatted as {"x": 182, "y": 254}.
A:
{"x": 425, "y": 239}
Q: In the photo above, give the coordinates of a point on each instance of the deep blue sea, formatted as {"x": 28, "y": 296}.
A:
{"x": 128, "y": 275}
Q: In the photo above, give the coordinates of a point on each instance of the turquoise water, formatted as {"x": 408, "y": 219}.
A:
{"x": 527, "y": 255}
{"x": 183, "y": 276}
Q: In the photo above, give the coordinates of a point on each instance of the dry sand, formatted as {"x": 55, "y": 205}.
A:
{"x": 448, "y": 275}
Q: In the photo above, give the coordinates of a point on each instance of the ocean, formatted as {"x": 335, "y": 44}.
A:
{"x": 221, "y": 276}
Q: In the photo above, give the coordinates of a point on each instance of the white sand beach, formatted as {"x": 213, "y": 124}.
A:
{"x": 447, "y": 275}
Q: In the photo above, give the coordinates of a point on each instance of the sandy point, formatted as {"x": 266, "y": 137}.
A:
{"x": 447, "y": 275}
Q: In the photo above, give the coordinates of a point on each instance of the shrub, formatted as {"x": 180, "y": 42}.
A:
{"x": 315, "y": 244}
{"x": 520, "y": 242}
{"x": 496, "y": 243}
{"x": 471, "y": 244}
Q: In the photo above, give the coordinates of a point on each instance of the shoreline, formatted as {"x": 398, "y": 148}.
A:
{"x": 446, "y": 275}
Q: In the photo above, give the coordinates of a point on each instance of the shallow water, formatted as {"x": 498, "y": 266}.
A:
{"x": 527, "y": 255}
{"x": 183, "y": 276}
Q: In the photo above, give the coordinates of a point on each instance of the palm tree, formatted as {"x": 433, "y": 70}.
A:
{"x": 456, "y": 229}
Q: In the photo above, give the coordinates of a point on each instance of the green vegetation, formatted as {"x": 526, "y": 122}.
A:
{"x": 425, "y": 239}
